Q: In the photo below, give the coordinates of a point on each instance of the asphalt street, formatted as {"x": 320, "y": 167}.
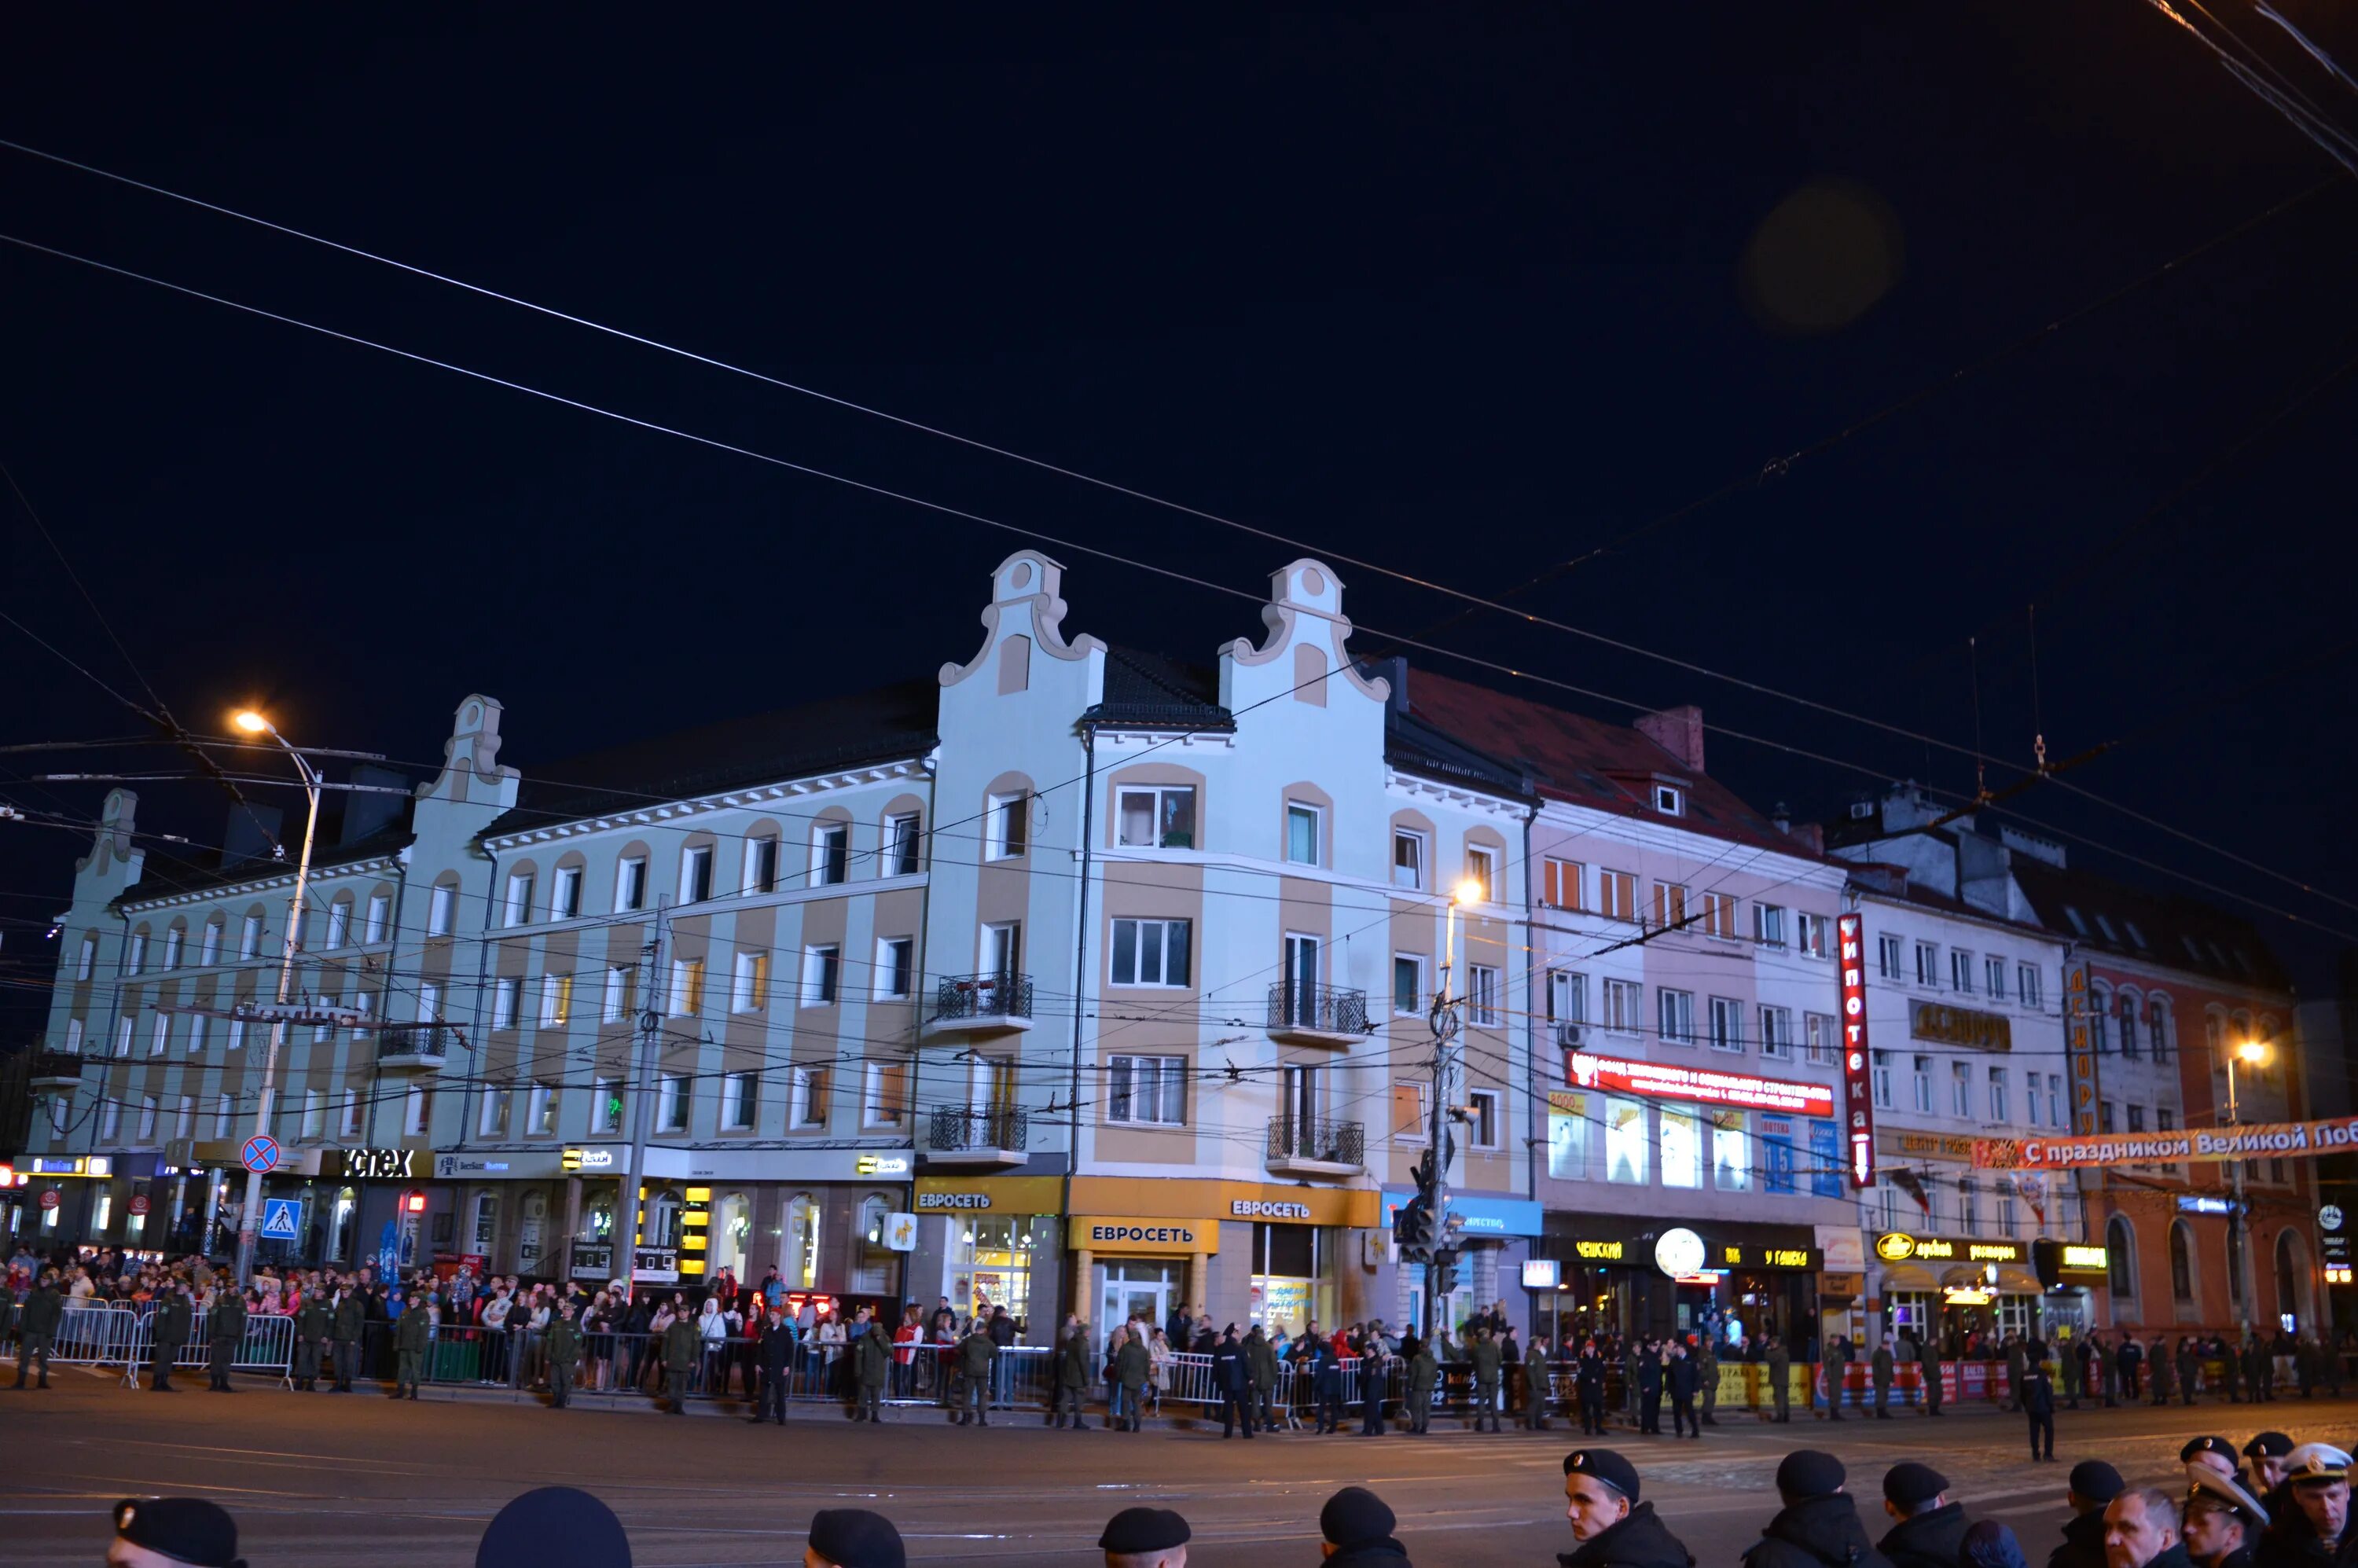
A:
{"x": 322, "y": 1479}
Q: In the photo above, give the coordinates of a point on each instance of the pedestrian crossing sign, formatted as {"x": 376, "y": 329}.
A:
{"x": 279, "y": 1220}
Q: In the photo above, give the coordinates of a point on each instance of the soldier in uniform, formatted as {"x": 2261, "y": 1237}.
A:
{"x": 1424, "y": 1371}
{"x": 1781, "y": 1380}
{"x": 1928, "y": 1363}
{"x": 170, "y": 1324}
{"x": 1072, "y": 1375}
{"x": 225, "y": 1328}
{"x": 310, "y": 1339}
{"x": 349, "y": 1321}
{"x": 854, "y": 1538}
{"x": 976, "y": 1354}
{"x": 561, "y": 1347}
{"x": 2189, "y": 1369}
{"x": 410, "y": 1337}
{"x": 1261, "y": 1361}
{"x": 682, "y": 1348}
{"x": 1539, "y": 1384}
{"x": 777, "y": 1363}
{"x": 1486, "y": 1359}
{"x": 1707, "y": 1376}
{"x": 1129, "y": 1366}
{"x": 1145, "y": 1538}
{"x": 874, "y": 1353}
{"x": 37, "y": 1327}
{"x": 1588, "y": 1388}
{"x": 1879, "y": 1371}
{"x": 1610, "y": 1527}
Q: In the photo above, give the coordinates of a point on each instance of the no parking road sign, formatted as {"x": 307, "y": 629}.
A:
{"x": 259, "y": 1153}
{"x": 279, "y": 1219}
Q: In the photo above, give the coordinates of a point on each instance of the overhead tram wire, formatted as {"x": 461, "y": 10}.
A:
{"x": 1775, "y": 467}
{"x": 943, "y": 509}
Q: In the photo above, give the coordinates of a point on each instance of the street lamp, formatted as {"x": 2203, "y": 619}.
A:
{"x": 2254, "y": 1053}
{"x": 253, "y": 723}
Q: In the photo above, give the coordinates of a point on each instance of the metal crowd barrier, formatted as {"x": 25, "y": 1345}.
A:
{"x": 268, "y": 1346}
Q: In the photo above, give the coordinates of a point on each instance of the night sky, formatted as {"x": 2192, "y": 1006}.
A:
{"x": 1466, "y": 295}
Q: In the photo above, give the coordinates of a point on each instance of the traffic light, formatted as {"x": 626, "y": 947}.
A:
{"x": 1412, "y": 1229}
{"x": 1444, "y": 1273}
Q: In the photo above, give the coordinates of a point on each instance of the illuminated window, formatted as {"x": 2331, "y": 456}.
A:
{"x": 1682, "y": 1145}
{"x": 1731, "y": 1152}
{"x": 1616, "y": 895}
{"x": 1626, "y": 1154}
{"x": 1155, "y": 818}
{"x": 1568, "y": 1120}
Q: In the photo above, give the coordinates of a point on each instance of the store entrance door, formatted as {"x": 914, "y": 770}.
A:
{"x": 1134, "y": 1291}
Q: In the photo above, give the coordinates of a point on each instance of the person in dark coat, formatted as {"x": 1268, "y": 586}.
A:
{"x": 2129, "y": 1361}
{"x": 2038, "y": 1402}
{"x": 1072, "y": 1374}
{"x": 1781, "y": 1380}
{"x": 348, "y": 1323}
{"x": 1589, "y": 1388}
{"x": 1928, "y": 1363}
{"x": 1612, "y": 1526}
{"x": 1487, "y": 1359}
{"x": 777, "y": 1353}
{"x": 1818, "y": 1525}
{"x": 1260, "y": 1363}
{"x": 2315, "y": 1529}
{"x": 2141, "y": 1531}
{"x": 1650, "y": 1390}
{"x": 2189, "y": 1369}
{"x": 2223, "y": 1523}
{"x": 1930, "y": 1529}
{"x": 1232, "y": 1379}
{"x": 169, "y": 1328}
{"x": 1989, "y": 1544}
{"x": 43, "y": 1309}
{"x": 1375, "y": 1370}
{"x": 562, "y": 1348}
{"x": 1879, "y": 1368}
{"x": 1325, "y": 1368}
{"x": 1681, "y": 1375}
{"x": 1424, "y": 1372}
{"x": 311, "y": 1327}
{"x": 872, "y": 1357}
{"x": 2093, "y": 1487}
{"x": 225, "y": 1333}
{"x": 1358, "y": 1527}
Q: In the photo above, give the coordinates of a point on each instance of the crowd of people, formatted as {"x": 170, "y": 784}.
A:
{"x": 2291, "y": 1510}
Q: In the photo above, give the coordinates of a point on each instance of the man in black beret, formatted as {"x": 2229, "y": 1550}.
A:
{"x": 1818, "y": 1525}
{"x": 2092, "y": 1485}
{"x": 1357, "y": 1528}
{"x": 2214, "y": 1454}
{"x": 554, "y": 1524}
{"x": 853, "y": 1538}
{"x": 2267, "y": 1453}
{"x": 1139, "y": 1537}
{"x": 1612, "y": 1528}
{"x": 1931, "y": 1529}
{"x": 172, "y": 1533}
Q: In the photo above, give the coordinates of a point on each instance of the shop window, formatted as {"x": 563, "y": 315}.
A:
{"x": 1779, "y": 1157}
{"x": 993, "y": 1255}
{"x": 1568, "y": 1115}
{"x": 1681, "y": 1141}
{"x": 1731, "y": 1152}
{"x": 732, "y": 1233}
{"x": 875, "y": 1270}
{"x": 1290, "y": 1282}
{"x": 800, "y": 1265}
{"x": 1626, "y": 1150}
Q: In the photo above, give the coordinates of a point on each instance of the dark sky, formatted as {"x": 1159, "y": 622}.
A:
{"x": 1465, "y": 294}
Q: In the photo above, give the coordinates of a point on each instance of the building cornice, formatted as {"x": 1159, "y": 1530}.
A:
{"x": 754, "y": 798}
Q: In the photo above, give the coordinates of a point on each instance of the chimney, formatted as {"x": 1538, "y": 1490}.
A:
{"x": 1679, "y": 731}
{"x": 1782, "y": 819}
{"x": 250, "y": 833}
{"x": 364, "y": 813}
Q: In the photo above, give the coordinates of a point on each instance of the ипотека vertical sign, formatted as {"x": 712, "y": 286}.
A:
{"x": 2081, "y": 1049}
{"x": 1858, "y": 1079}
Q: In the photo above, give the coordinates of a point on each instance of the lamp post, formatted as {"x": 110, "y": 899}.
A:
{"x": 1439, "y": 1263}
{"x": 248, "y": 1217}
{"x": 2256, "y": 1053}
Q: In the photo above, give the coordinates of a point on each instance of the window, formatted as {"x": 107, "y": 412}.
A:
{"x": 686, "y": 986}
{"x": 2100, "y": 1021}
{"x": 695, "y": 875}
{"x": 2137, "y": 1118}
{"x": 741, "y": 1100}
{"x": 1768, "y": 925}
{"x": 2132, "y": 1037}
{"x": 1994, "y": 977}
{"x": 1727, "y": 1025}
{"x": 1007, "y": 821}
{"x": 1886, "y": 957}
{"x": 1150, "y": 952}
{"x": 1810, "y": 934}
{"x": 1158, "y": 819}
{"x": 1777, "y": 1033}
{"x": 172, "y": 946}
{"x": 1818, "y": 1035}
{"x": 2182, "y": 1263}
{"x": 429, "y": 1003}
{"x": 136, "y": 955}
{"x": 2166, "y": 1120}
{"x": 1677, "y": 1011}
{"x": 224, "y": 1115}
{"x": 900, "y": 845}
{"x": 1961, "y": 1090}
{"x": 1001, "y": 951}
{"x": 1408, "y": 985}
{"x": 1670, "y": 904}
{"x": 1567, "y": 1125}
{"x": 441, "y": 912}
{"x": 751, "y": 992}
{"x": 1616, "y": 895}
{"x": 147, "y": 1119}
{"x": 2000, "y": 1110}
{"x": 123, "y": 1032}
{"x": 1718, "y": 915}
{"x": 760, "y": 866}
{"x": 605, "y": 1105}
{"x": 1624, "y": 1005}
{"x": 1559, "y": 884}
{"x": 1482, "y": 993}
{"x": 809, "y": 1107}
{"x": 2158, "y": 1031}
{"x": 822, "y": 965}
{"x": 555, "y": 1002}
{"x": 616, "y": 1004}
{"x": 237, "y": 1032}
{"x": 1731, "y": 1152}
{"x": 74, "y": 1036}
{"x": 110, "y": 1120}
{"x": 507, "y": 998}
{"x": 1922, "y": 1080}
{"x": 1681, "y": 1141}
{"x": 630, "y": 884}
{"x": 830, "y": 855}
{"x": 1482, "y": 1110}
{"x": 2105, "y": 1117}
{"x": 896, "y": 968}
{"x": 1410, "y": 1120}
{"x": 380, "y": 917}
{"x": 880, "y": 1104}
{"x": 540, "y": 1110}
{"x": 491, "y": 1117}
{"x": 1669, "y": 800}
{"x": 1147, "y": 1091}
{"x": 1961, "y": 969}
{"x": 86, "y": 962}
{"x": 1969, "y": 1204}
{"x": 1626, "y": 1149}
{"x": 1928, "y": 964}
{"x": 416, "y": 1110}
{"x": 1482, "y": 870}
{"x": 565, "y": 896}
{"x": 2120, "y": 1257}
{"x": 518, "y": 910}
{"x": 340, "y": 927}
{"x": 1882, "y": 1080}
{"x": 159, "y": 1039}
{"x": 1567, "y": 997}
{"x": 1301, "y": 833}
{"x": 671, "y": 1102}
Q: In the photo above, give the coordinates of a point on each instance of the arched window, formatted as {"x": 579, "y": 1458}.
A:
{"x": 2100, "y": 1019}
{"x": 875, "y": 1253}
{"x": 2182, "y": 1262}
{"x": 2132, "y": 1043}
{"x": 2159, "y": 1032}
{"x": 800, "y": 1265}
{"x": 736, "y": 1230}
{"x": 2120, "y": 1258}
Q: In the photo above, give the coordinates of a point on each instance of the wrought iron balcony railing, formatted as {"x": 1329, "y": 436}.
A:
{"x": 956, "y": 1129}
{"x": 1322, "y": 1009}
{"x": 1327, "y": 1142}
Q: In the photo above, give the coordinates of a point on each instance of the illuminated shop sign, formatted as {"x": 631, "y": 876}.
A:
{"x": 1898, "y": 1247}
{"x": 1706, "y": 1086}
{"x": 1859, "y": 1080}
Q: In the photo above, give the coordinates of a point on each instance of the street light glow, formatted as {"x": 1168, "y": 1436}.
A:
{"x": 1468, "y": 892}
{"x": 2253, "y": 1051}
{"x": 250, "y": 722}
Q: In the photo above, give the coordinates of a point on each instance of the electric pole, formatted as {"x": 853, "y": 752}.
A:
{"x": 642, "y": 1072}
{"x": 1422, "y": 1227}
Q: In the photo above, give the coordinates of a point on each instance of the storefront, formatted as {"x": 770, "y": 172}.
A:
{"x": 1731, "y": 1280}
{"x": 1972, "y": 1291}
{"x": 1245, "y": 1251}
{"x": 990, "y": 1241}
{"x": 1493, "y": 1238}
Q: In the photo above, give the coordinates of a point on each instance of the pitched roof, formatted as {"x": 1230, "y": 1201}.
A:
{"x": 1155, "y": 690}
{"x": 2177, "y": 933}
{"x": 160, "y": 878}
{"x": 886, "y": 724}
{"x": 1585, "y": 761}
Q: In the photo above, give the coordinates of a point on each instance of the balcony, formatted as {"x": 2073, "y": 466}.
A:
{"x": 1317, "y": 1015}
{"x": 410, "y": 1047}
{"x": 978, "y": 1007}
{"x": 56, "y": 1070}
{"x": 1299, "y": 1148}
{"x": 977, "y": 1138}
